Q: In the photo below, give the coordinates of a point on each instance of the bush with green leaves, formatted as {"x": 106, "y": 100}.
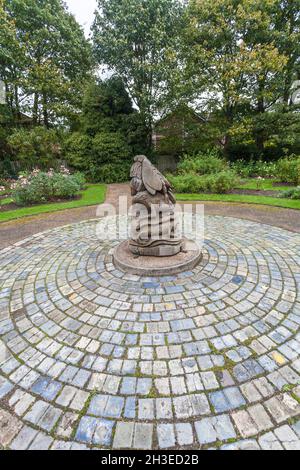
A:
{"x": 202, "y": 164}
{"x": 204, "y": 172}
{"x": 39, "y": 187}
{"x": 111, "y": 172}
{"x": 35, "y": 147}
{"x": 188, "y": 183}
{"x": 80, "y": 179}
{"x": 222, "y": 182}
{"x": 288, "y": 170}
{"x": 291, "y": 193}
{"x": 214, "y": 183}
{"x": 105, "y": 158}
{"x": 78, "y": 151}
{"x": 253, "y": 168}
{"x": 110, "y": 147}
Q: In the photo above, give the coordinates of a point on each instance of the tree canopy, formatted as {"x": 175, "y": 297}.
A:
{"x": 235, "y": 63}
{"x": 45, "y": 59}
{"x": 136, "y": 39}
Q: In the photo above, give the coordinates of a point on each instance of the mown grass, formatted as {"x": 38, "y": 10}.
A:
{"x": 242, "y": 199}
{"x": 94, "y": 194}
{"x": 5, "y": 201}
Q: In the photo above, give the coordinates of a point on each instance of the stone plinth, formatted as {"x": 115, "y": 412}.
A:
{"x": 160, "y": 265}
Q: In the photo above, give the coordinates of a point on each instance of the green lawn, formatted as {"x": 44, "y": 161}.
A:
{"x": 270, "y": 201}
{"x": 94, "y": 194}
{"x": 264, "y": 185}
{"x": 7, "y": 200}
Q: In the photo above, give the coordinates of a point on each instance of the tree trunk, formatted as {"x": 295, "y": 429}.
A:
{"x": 292, "y": 57}
{"x": 260, "y": 143}
{"x": 148, "y": 123}
{"x": 150, "y": 137}
{"x": 260, "y": 133}
{"x": 45, "y": 111}
{"x": 229, "y": 121}
{"x": 17, "y": 106}
{"x": 35, "y": 108}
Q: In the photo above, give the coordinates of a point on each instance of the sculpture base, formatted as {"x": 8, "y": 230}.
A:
{"x": 161, "y": 250}
{"x": 186, "y": 260}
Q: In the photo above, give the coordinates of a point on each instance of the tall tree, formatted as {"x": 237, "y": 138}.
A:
{"x": 232, "y": 59}
{"x": 136, "y": 39}
{"x": 55, "y": 59}
{"x": 106, "y": 104}
{"x": 11, "y": 60}
{"x": 287, "y": 29}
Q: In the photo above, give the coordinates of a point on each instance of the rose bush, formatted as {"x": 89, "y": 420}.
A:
{"x": 38, "y": 186}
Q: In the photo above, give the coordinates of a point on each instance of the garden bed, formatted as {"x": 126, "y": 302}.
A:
{"x": 10, "y": 206}
{"x": 93, "y": 195}
{"x": 255, "y": 192}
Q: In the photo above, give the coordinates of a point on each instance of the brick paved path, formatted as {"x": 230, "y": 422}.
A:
{"x": 92, "y": 357}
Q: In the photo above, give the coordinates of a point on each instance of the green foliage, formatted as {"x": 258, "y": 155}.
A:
{"x": 136, "y": 38}
{"x": 222, "y": 182}
{"x": 111, "y": 172}
{"x": 35, "y": 147}
{"x": 214, "y": 183}
{"x": 78, "y": 150}
{"x": 291, "y": 193}
{"x": 111, "y": 133}
{"x": 288, "y": 169}
{"x": 105, "y": 158}
{"x": 202, "y": 163}
{"x": 106, "y": 106}
{"x": 46, "y": 58}
{"x": 110, "y": 158}
{"x": 93, "y": 195}
{"x": 241, "y": 59}
{"x": 39, "y": 187}
{"x": 204, "y": 172}
{"x": 80, "y": 179}
{"x": 110, "y": 147}
{"x": 252, "y": 168}
{"x": 6, "y": 166}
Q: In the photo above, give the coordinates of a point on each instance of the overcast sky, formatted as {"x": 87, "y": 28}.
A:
{"x": 83, "y": 11}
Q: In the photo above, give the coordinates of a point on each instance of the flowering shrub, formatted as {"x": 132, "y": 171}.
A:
{"x": 2, "y": 190}
{"x": 291, "y": 193}
{"x": 260, "y": 182}
{"x": 39, "y": 187}
{"x": 206, "y": 163}
{"x": 249, "y": 169}
{"x": 288, "y": 169}
{"x": 214, "y": 183}
{"x": 204, "y": 172}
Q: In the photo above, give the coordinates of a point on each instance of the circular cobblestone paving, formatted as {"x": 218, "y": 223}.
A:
{"x": 93, "y": 357}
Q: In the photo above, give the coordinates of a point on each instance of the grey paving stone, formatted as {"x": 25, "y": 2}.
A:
{"x": 41, "y": 442}
{"x": 227, "y": 399}
{"x": 269, "y": 441}
{"x": 24, "y": 438}
{"x": 146, "y": 409}
{"x": 143, "y": 435}
{"x": 123, "y": 435}
{"x": 9, "y": 428}
{"x": 184, "y": 432}
{"x": 213, "y": 429}
{"x": 242, "y": 445}
{"x": 165, "y": 436}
